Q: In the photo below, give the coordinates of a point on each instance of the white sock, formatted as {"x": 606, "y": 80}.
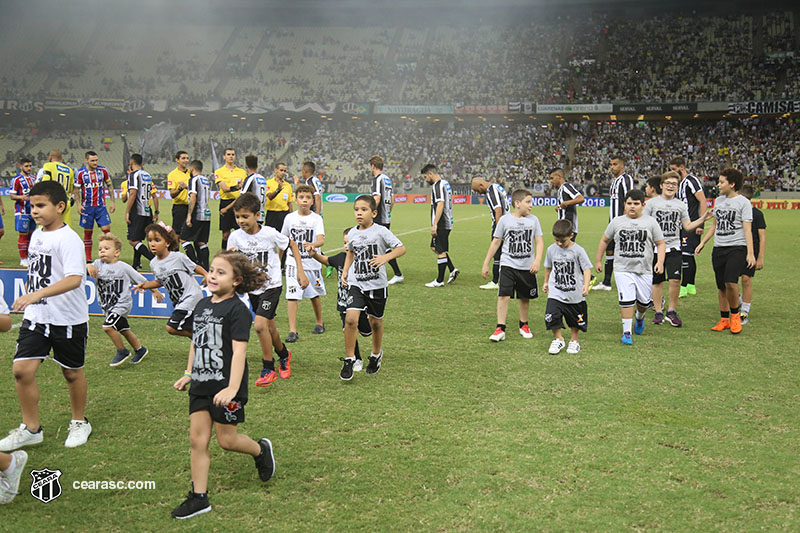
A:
{"x": 350, "y": 358}
{"x": 377, "y": 354}
{"x": 639, "y": 314}
{"x": 746, "y": 308}
{"x": 627, "y": 324}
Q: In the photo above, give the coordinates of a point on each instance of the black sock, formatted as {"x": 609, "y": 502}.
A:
{"x": 609, "y": 271}
{"x": 268, "y": 364}
{"x": 283, "y": 353}
{"x": 224, "y": 244}
{"x": 496, "y": 272}
{"x": 395, "y": 267}
{"x": 521, "y": 323}
{"x": 502, "y": 326}
{"x": 137, "y": 258}
{"x": 725, "y": 314}
{"x": 734, "y": 310}
{"x": 442, "y": 267}
{"x": 449, "y": 263}
{"x": 358, "y": 352}
{"x": 200, "y": 495}
{"x": 202, "y": 254}
{"x": 691, "y": 270}
{"x": 685, "y": 271}
{"x": 143, "y": 250}
{"x": 190, "y": 252}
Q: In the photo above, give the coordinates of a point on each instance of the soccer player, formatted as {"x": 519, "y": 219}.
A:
{"x": 567, "y": 274}
{"x": 197, "y": 227}
{"x": 364, "y": 274}
{"x": 635, "y": 236}
{"x": 229, "y": 179}
{"x": 520, "y": 236}
{"x": 733, "y": 246}
{"x": 23, "y": 221}
{"x": 620, "y": 186}
{"x": 178, "y": 185}
{"x": 673, "y": 217}
{"x": 441, "y": 223}
{"x": 255, "y": 183}
{"x": 382, "y": 191}
{"x": 279, "y": 198}
{"x": 568, "y": 198}
{"x": 690, "y": 191}
{"x": 93, "y": 181}
{"x": 306, "y": 229}
{"x": 497, "y": 200}
{"x": 307, "y": 172}
{"x": 138, "y": 214}
{"x": 759, "y": 245}
{"x": 56, "y": 170}
{"x": 56, "y": 317}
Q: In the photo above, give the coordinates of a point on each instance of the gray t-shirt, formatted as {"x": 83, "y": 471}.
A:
{"x": 566, "y": 277}
{"x": 517, "y": 234}
{"x": 670, "y": 215}
{"x": 175, "y": 274}
{"x": 730, "y": 213}
{"x": 366, "y": 244}
{"x": 634, "y": 240}
{"x": 113, "y": 286}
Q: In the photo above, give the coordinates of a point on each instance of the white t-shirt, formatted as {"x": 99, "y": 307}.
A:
{"x": 52, "y": 256}
{"x": 261, "y": 248}
{"x": 303, "y": 229}
{"x": 366, "y": 244}
{"x": 176, "y": 274}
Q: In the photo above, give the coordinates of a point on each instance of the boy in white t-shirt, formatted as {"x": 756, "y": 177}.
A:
{"x": 306, "y": 229}
{"x": 56, "y": 317}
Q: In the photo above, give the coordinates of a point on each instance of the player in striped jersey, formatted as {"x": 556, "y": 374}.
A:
{"x": 497, "y": 200}
{"x": 568, "y": 199}
{"x": 256, "y": 184}
{"x": 197, "y": 226}
{"x": 308, "y": 178}
{"x": 56, "y": 170}
{"x": 441, "y": 223}
{"x": 23, "y": 221}
{"x": 93, "y": 180}
{"x": 620, "y": 186}
{"x": 690, "y": 191}
{"x": 383, "y": 193}
{"x": 138, "y": 214}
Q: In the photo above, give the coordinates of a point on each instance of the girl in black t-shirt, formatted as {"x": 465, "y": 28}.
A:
{"x": 217, "y": 371}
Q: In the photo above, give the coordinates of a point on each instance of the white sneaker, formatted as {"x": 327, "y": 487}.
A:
{"x": 744, "y": 318}
{"x": 23, "y": 263}
{"x": 556, "y": 346}
{"x": 453, "y": 275}
{"x": 489, "y": 286}
{"x": 396, "y": 279}
{"x": 19, "y": 437}
{"x": 9, "y": 481}
{"x": 573, "y": 347}
{"x": 498, "y": 335}
{"x": 79, "y": 432}
{"x": 435, "y": 283}
{"x": 358, "y": 365}
{"x": 601, "y": 287}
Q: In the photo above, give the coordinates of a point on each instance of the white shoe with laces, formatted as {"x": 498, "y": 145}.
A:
{"x": 556, "y": 346}
{"x": 573, "y": 347}
{"x": 435, "y": 283}
{"x": 396, "y": 279}
{"x": 358, "y": 365}
{"x": 19, "y": 437}
{"x": 601, "y": 287}
{"x": 489, "y": 286}
{"x": 9, "y": 481}
{"x": 79, "y": 431}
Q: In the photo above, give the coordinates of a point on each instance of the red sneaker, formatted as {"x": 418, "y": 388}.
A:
{"x": 525, "y": 331}
{"x": 285, "y": 369}
{"x": 267, "y": 377}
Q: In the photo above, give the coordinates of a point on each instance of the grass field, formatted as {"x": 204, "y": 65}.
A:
{"x": 686, "y": 430}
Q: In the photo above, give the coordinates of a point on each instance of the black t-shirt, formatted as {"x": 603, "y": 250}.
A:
{"x": 758, "y": 223}
{"x": 337, "y": 262}
{"x": 216, "y": 326}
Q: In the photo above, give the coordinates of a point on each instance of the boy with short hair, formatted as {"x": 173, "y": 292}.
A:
{"x": 56, "y": 317}
{"x": 759, "y": 229}
{"x": 566, "y": 297}
{"x": 263, "y": 246}
{"x": 672, "y": 215}
{"x": 733, "y": 246}
{"x": 197, "y": 227}
{"x": 635, "y": 235}
{"x": 520, "y": 235}
{"x": 23, "y": 222}
{"x": 306, "y": 229}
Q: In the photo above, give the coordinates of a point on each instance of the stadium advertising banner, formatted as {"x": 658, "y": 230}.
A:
{"x": 565, "y": 109}
{"x": 641, "y": 109}
{"x": 12, "y": 285}
{"x": 383, "y": 109}
{"x": 500, "y": 109}
{"x": 411, "y": 198}
{"x": 63, "y": 104}
{"x": 777, "y": 107}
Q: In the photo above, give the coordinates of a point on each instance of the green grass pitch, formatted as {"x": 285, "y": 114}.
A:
{"x": 686, "y": 430}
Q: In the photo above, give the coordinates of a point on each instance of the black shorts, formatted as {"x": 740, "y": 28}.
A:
{"x": 233, "y": 413}
{"x": 137, "y": 226}
{"x": 672, "y": 267}
{"x": 199, "y": 231}
{"x": 181, "y": 320}
{"x": 575, "y": 315}
{"x": 373, "y": 302}
{"x": 116, "y": 321}
{"x": 67, "y": 342}
{"x": 441, "y": 242}
{"x": 275, "y": 219}
{"x": 364, "y": 327}
{"x": 729, "y": 262}
{"x": 517, "y": 283}
{"x": 689, "y": 242}
{"x": 227, "y": 221}
{"x": 266, "y": 303}
{"x": 179, "y": 212}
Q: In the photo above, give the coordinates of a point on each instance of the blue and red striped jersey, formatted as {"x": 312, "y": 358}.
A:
{"x": 92, "y": 184}
{"x": 22, "y": 185}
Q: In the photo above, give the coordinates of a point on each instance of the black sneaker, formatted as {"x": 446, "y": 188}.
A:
{"x": 193, "y": 506}
{"x": 120, "y": 357}
{"x": 292, "y": 337}
{"x": 374, "y": 363}
{"x": 318, "y": 329}
{"x": 347, "y": 369}
{"x": 139, "y": 354}
{"x": 453, "y": 275}
{"x": 265, "y": 463}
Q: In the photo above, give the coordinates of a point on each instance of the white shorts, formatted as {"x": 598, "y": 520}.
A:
{"x": 634, "y": 288}
{"x": 316, "y": 285}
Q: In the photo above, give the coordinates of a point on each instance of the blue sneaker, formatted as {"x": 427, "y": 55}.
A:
{"x": 638, "y": 326}
{"x": 627, "y": 338}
